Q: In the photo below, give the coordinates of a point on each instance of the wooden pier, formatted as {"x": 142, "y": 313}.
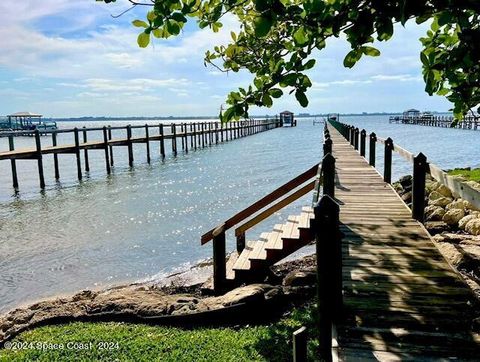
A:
{"x": 469, "y": 122}
{"x": 385, "y": 293}
{"x": 188, "y": 136}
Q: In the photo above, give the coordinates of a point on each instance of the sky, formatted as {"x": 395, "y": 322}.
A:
{"x": 71, "y": 58}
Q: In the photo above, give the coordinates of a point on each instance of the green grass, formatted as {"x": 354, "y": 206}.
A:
{"x": 473, "y": 174}
{"x": 137, "y": 342}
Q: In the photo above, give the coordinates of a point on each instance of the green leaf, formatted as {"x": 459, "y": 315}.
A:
{"x": 263, "y": 25}
{"x": 275, "y": 92}
{"x": 173, "y": 27}
{"x": 352, "y": 58}
{"x": 140, "y": 24}
{"x": 300, "y": 36}
{"x": 370, "y": 51}
{"x": 179, "y": 17}
{"x": 309, "y": 64}
{"x": 143, "y": 40}
{"x": 267, "y": 100}
{"x": 301, "y": 98}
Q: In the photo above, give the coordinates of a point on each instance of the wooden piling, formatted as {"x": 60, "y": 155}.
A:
{"x": 110, "y": 146}
{"x": 328, "y": 169}
{"x": 300, "y": 345}
{"x": 174, "y": 139}
{"x": 162, "y": 140}
{"x": 420, "y": 167}
{"x": 147, "y": 142}
{"x": 182, "y": 133}
{"x": 106, "y": 149}
{"x": 130, "y": 145}
{"x": 55, "y": 156}
{"x": 85, "y": 151}
{"x": 372, "y": 149}
{"x": 77, "y": 153}
{"x": 203, "y": 134}
{"x": 195, "y": 134}
{"x": 186, "y": 137}
{"x": 11, "y": 145}
{"x": 387, "y": 171}
{"x": 363, "y": 136}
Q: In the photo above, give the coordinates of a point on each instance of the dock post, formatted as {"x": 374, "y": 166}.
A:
{"x": 221, "y": 132}
{"x": 105, "y": 147}
{"x": 372, "y": 149}
{"x": 110, "y": 146}
{"x": 241, "y": 243}
{"x": 300, "y": 345}
{"x": 216, "y": 133}
{"x": 55, "y": 156}
{"x": 387, "y": 172}
{"x": 195, "y": 134}
{"x": 174, "y": 138}
{"x": 130, "y": 146}
{"x": 363, "y": 136}
{"x": 219, "y": 260}
{"x": 328, "y": 168}
{"x": 147, "y": 141}
{"x": 77, "y": 153}
{"x": 39, "y": 159}
{"x": 182, "y": 136}
{"x": 418, "y": 189}
{"x": 185, "y": 135}
{"x": 355, "y": 140}
{"x": 327, "y": 246}
{"x": 352, "y": 135}
{"x": 13, "y": 162}
{"x": 162, "y": 141}
{"x": 85, "y": 152}
{"x": 327, "y": 146}
{"x": 203, "y": 134}
{"x": 192, "y": 135}
{"x": 209, "y": 138}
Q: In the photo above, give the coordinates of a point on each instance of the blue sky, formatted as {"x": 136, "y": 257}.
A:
{"x": 66, "y": 58}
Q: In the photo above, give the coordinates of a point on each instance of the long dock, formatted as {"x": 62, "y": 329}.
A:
{"x": 402, "y": 300}
{"x": 384, "y": 290}
{"x": 190, "y": 135}
{"x": 469, "y": 122}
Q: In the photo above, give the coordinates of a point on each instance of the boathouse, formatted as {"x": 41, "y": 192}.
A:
{"x": 286, "y": 119}
{"x": 411, "y": 113}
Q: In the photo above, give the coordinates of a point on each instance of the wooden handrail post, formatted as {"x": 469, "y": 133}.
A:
{"x": 300, "y": 338}
{"x": 418, "y": 189}
{"x": 219, "y": 260}
{"x": 355, "y": 138}
{"x": 129, "y": 145}
{"x": 326, "y": 237}
{"x": 11, "y": 145}
{"x": 363, "y": 136}
{"x": 85, "y": 152}
{"x": 327, "y": 146}
{"x": 352, "y": 135}
{"x": 328, "y": 169}
{"x": 387, "y": 171}
{"x": 55, "y": 156}
{"x": 372, "y": 149}
{"x": 105, "y": 147}
{"x": 77, "y": 153}
{"x": 240, "y": 242}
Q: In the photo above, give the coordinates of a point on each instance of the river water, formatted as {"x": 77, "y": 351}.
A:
{"x": 145, "y": 222}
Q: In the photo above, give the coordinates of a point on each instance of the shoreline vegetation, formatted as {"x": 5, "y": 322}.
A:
{"x": 284, "y": 302}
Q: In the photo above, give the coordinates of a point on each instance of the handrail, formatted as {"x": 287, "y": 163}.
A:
{"x": 263, "y": 202}
{"x": 278, "y": 206}
{"x": 465, "y": 191}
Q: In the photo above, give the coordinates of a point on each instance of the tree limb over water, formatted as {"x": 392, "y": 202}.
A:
{"x": 277, "y": 37}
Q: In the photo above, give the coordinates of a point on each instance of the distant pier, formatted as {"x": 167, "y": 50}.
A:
{"x": 469, "y": 122}
{"x": 188, "y": 135}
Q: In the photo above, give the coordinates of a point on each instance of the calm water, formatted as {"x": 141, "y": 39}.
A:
{"x": 146, "y": 222}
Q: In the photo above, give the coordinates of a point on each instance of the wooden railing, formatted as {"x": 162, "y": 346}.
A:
{"x": 420, "y": 164}
{"x": 468, "y": 122}
{"x": 260, "y": 210}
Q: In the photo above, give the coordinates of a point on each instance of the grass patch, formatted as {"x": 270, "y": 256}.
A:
{"x": 137, "y": 342}
{"x": 473, "y": 175}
